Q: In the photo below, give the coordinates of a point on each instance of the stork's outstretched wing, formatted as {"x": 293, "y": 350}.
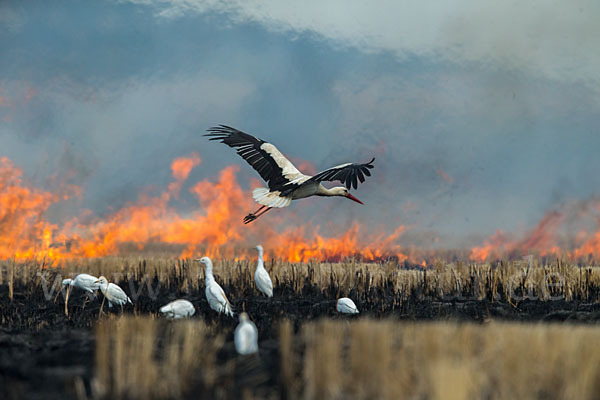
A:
{"x": 265, "y": 158}
{"x": 349, "y": 174}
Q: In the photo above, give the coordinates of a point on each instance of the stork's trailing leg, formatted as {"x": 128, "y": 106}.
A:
{"x": 251, "y": 217}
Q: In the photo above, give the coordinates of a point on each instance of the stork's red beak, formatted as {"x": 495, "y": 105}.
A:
{"x": 354, "y": 198}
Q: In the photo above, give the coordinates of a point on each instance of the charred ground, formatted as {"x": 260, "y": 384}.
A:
{"x": 46, "y": 354}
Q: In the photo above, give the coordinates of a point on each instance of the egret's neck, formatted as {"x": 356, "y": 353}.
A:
{"x": 209, "y": 273}
{"x": 260, "y": 258}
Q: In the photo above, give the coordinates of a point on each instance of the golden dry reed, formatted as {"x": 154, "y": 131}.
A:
{"x": 368, "y": 359}
{"x": 146, "y": 358}
{"x": 514, "y": 280}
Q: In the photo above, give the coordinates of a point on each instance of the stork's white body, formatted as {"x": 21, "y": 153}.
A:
{"x": 265, "y": 197}
{"x": 178, "y": 309}
{"x": 346, "y": 306}
{"x": 214, "y": 292}
{"x": 113, "y": 293}
{"x": 246, "y": 336}
{"x": 84, "y": 282}
{"x": 261, "y": 276}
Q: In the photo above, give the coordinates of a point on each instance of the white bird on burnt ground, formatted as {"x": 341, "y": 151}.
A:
{"x": 113, "y": 293}
{"x": 261, "y": 276}
{"x": 178, "y": 309}
{"x": 84, "y": 282}
{"x": 345, "y": 305}
{"x": 285, "y": 182}
{"x": 245, "y": 337}
{"x": 214, "y": 292}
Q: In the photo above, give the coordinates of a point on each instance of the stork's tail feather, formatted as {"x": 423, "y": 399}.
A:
{"x": 265, "y": 197}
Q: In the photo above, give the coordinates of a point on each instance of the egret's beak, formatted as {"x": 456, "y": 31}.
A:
{"x": 98, "y": 281}
{"x": 354, "y": 198}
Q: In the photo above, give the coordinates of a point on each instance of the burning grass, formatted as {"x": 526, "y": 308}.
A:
{"x": 214, "y": 228}
{"x": 154, "y": 220}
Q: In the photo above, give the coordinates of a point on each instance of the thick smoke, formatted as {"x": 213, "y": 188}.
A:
{"x": 467, "y": 141}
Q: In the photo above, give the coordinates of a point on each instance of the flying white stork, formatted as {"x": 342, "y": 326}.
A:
{"x": 285, "y": 182}
{"x": 113, "y": 293}
{"x": 346, "y": 306}
{"x": 214, "y": 292}
{"x": 261, "y": 276}
{"x": 178, "y": 309}
{"x": 245, "y": 336}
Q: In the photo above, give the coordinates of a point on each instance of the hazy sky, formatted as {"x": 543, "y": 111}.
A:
{"x": 482, "y": 116}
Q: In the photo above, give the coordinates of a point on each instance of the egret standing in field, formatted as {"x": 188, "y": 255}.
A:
{"x": 261, "y": 276}
{"x": 346, "y": 306}
{"x": 246, "y": 336}
{"x": 178, "y": 309}
{"x": 214, "y": 293}
{"x": 113, "y": 293}
{"x": 285, "y": 182}
{"x": 84, "y": 282}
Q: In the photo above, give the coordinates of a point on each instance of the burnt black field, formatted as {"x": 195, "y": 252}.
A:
{"x": 46, "y": 355}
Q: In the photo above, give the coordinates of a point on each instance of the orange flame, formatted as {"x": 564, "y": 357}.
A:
{"x": 490, "y": 249}
{"x": 182, "y": 166}
{"x": 591, "y": 245}
{"x": 551, "y": 236}
{"x": 24, "y": 233}
{"x": 215, "y": 229}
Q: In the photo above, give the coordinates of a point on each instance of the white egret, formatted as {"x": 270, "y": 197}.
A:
{"x": 214, "y": 293}
{"x": 346, "y": 306}
{"x": 84, "y": 282}
{"x": 246, "y": 336}
{"x": 261, "y": 276}
{"x": 113, "y": 293}
{"x": 178, "y": 309}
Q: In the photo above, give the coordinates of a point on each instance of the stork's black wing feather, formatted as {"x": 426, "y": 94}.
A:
{"x": 349, "y": 174}
{"x": 250, "y": 149}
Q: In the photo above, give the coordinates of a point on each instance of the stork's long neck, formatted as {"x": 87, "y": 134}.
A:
{"x": 323, "y": 191}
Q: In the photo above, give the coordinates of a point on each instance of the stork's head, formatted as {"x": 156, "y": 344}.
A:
{"x": 67, "y": 282}
{"x": 343, "y": 192}
{"x": 259, "y": 248}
